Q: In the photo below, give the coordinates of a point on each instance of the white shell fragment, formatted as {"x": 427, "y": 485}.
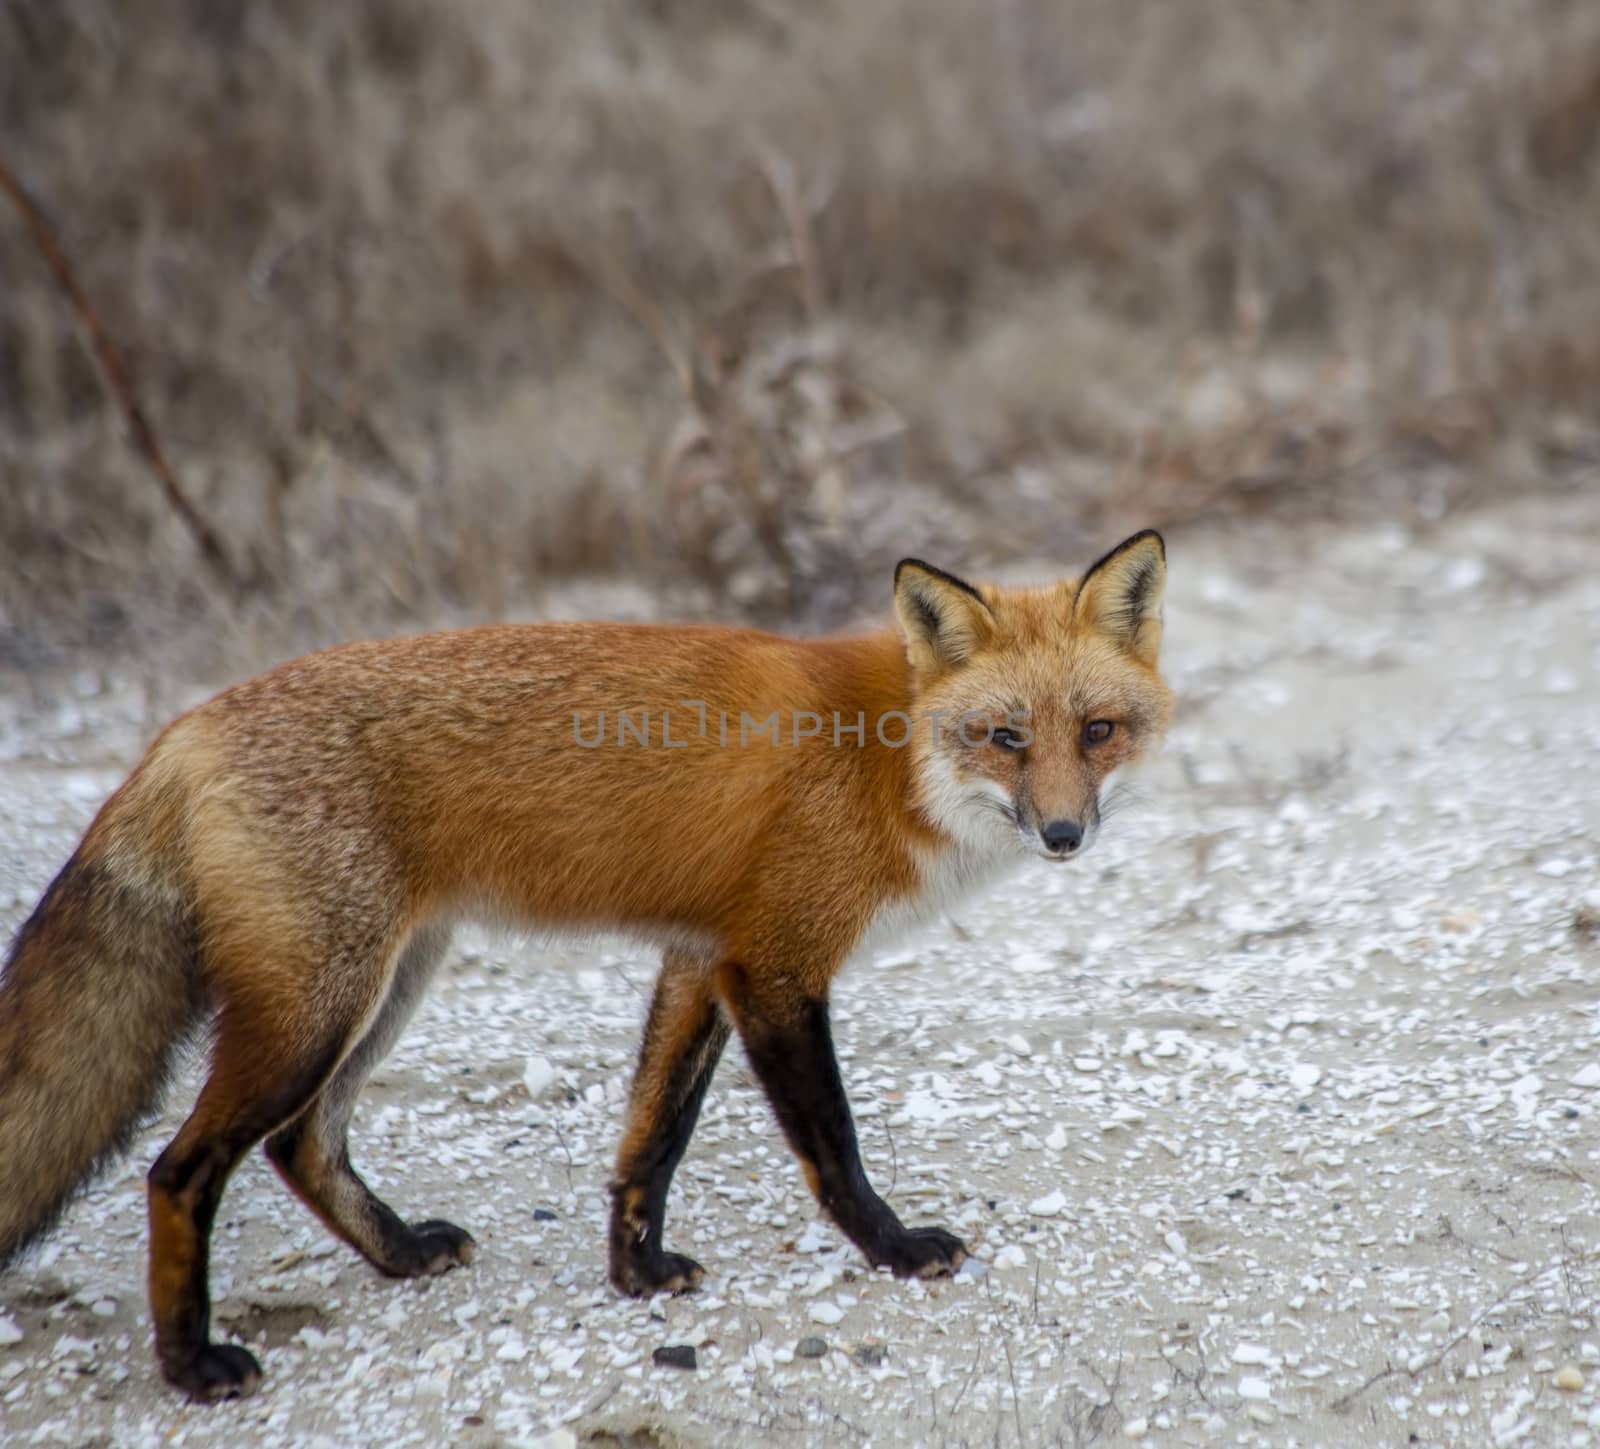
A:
{"x": 538, "y": 1076}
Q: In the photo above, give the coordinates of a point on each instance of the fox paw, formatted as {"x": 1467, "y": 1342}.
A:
{"x": 641, "y": 1276}
{"x": 426, "y": 1249}
{"x": 218, "y": 1371}
{"x": 441, "y": 1246}
{"x": 923, "y": 1253}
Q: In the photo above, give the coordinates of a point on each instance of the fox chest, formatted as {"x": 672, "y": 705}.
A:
{"x": 947, "y": 882}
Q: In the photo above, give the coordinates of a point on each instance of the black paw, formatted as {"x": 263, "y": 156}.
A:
{"x": 923, "y": 1253}
{"x": 217, "y": 1371}
{"x": 640, "y": 1276}
{"x": 441, "y": 1246}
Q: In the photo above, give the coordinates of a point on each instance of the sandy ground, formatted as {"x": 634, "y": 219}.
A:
{"x": 1274, "y": 1120}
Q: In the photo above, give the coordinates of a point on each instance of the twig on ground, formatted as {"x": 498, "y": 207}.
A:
{"x": 972, "y": 1373}
{"x": 1433, "y": 1360}
{"x": 1011, "y": 1368}
{"x": 566, "y": 1151}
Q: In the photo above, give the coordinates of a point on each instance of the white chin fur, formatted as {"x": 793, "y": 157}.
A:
{"x": 966, "y": 811}
{"x": 984, "y": 844}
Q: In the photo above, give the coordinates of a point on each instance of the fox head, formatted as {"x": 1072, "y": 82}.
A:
{"x": 1029, "y": 701}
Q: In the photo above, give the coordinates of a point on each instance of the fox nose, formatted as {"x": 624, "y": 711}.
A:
{"x": 1062, "y": 837}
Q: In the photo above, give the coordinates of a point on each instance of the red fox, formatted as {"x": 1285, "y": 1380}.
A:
{"x": 287, "y": 859}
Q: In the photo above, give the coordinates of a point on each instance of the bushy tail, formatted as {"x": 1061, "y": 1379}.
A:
{"x": 98, "y": 990}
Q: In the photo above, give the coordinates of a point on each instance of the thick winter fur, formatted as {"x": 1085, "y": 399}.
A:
{"x": 100, "y": 987}
{"x": 289, "y": 858}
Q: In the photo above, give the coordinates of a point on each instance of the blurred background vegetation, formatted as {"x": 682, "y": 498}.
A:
{"x": 437, "y": 309}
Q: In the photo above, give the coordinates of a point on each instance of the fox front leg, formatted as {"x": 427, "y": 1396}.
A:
{"x": 789, "y": 1041}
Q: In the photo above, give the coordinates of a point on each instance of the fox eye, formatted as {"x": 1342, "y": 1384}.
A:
{"x": 1098, "y": 731}
{"x": 1007, "y": 739}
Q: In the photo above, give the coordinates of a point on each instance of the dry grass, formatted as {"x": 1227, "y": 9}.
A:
{"x": 433, "y": 306}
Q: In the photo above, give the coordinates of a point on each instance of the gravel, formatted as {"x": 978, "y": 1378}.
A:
{"x": 675, "y": 1356}
{"x": 1273, "y": 1120}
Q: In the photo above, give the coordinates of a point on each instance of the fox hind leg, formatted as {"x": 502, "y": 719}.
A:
{"x": 683, "y": 1039}
{"x": 312, "y": 1152}
{"x": 271, "y": 1058}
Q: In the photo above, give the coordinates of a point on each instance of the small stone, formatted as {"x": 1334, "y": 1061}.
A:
{"x": 1587, "y": 1076}
{"x": 543, "y": 1215}
{"x": 870, "y": 1352}
{"x": 828, "y": 1313}
{"x": 1251, "y": 1387}
{"x": 1135, "y": 1428}
{"x": 1570, "y": 1378}
{"x": 973, "y": 1269}
{"x": 676, "y": 1356}
{"x": 10, "y": 1331}
{"x": 1051, "y": 1205}
{"x": 811, "y": 1347}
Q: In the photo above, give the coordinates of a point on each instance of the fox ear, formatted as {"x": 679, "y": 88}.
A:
{"x": 1121, "y": 594}
{"x": 943, "y": 618}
